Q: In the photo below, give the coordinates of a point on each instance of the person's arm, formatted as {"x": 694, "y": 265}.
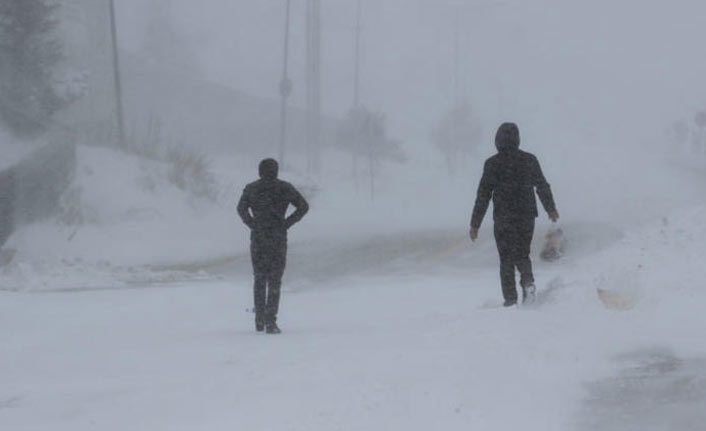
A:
{"x": 544, "y": 191}
{"x": 301, "y": 207}
{"x": 244, "y": 209}
{"x": 483, "y": 196}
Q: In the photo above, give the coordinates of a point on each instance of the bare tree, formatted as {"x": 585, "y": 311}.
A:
{"x": 364, "y": 135}
{"x": 700, "y": 121}
{"x": 457, "y": 135}
{"x": 679, "y": 134}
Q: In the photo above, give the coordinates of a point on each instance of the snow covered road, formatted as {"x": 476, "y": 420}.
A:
{"x": 655, "y": 390}
{"x": 187, "y": 358}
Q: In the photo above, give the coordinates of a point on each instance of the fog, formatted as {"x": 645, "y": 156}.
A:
{"x": 593, "y": 86}
{"x": 590, "y": 69}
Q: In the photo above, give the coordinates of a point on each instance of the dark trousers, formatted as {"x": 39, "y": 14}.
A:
{"x": 513, "y": 238}
{"x": 269, "y": 257}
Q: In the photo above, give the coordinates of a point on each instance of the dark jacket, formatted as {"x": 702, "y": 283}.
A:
{"x": 263, "y": 205}
{"x": 510, "y": 178}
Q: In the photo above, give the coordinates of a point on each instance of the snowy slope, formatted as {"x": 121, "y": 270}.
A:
{"x": 122, "y": 219}
{"x": 11, "y": 150}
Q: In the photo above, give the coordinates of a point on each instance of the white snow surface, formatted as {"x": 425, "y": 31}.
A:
{"x": 389, "y": 322}
{"x": 12, "y": 151}
{"x": 132, "y": 221}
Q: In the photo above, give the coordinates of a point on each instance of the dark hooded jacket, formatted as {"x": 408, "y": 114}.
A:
{"x": 510, "y": 178}
{"x": 263, "y": 205}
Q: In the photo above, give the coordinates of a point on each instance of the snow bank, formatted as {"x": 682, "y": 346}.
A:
{"x": 122, "y": 219}
{"x": 11, "y": 150}
{"x": 655, "y": 263}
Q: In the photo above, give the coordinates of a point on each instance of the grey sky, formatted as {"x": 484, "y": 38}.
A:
{"x": 600, "y": 67}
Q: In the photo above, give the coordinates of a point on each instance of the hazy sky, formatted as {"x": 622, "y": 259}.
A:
{"x": 598, "y": 69}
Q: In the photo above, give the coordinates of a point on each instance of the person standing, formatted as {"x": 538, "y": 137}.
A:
{"x": 263, "y": 208}
{"x": 510, "y": 178}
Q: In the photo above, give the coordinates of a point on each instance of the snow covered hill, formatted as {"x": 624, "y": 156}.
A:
{"x": 121, "y": 220}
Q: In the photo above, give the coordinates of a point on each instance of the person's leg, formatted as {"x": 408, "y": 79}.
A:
{"x": 260, "y": 285}
{"x": 259, "y": 294}
{"x": 525, "y": 232}
{"x": 274, "y": 285}
{"x": 504, "y": 242}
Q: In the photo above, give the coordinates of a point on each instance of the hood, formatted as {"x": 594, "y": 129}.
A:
{"x": 269, "y": 169}
{"x": 508, "y": 137}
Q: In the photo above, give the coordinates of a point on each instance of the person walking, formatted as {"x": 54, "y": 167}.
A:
{"x": 510, "y": 178}
{"x": 263, "y": 208}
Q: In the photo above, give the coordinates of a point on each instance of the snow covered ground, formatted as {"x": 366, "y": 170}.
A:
{"x": 391, "y": 318}
{"x": 415, "y": 342}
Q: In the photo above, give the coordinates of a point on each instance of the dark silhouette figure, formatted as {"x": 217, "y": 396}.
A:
{"x": 263, "y": 207}
{"x": 510, "y": 178}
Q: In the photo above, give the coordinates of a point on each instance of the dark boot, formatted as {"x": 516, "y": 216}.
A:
{"x": 272, "y": 328}
{"x": 259, "y": 323}
{"x": 510, "y": 302}
{"x": 529, "y": 294}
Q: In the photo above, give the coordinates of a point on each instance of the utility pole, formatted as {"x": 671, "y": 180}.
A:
{"x": 313, "y": 81}
{"x": 356, "y": 83}
{"x": 456, "y": 59}
{"x": 285, "y": 87}
{"x": 116, "y": 77}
